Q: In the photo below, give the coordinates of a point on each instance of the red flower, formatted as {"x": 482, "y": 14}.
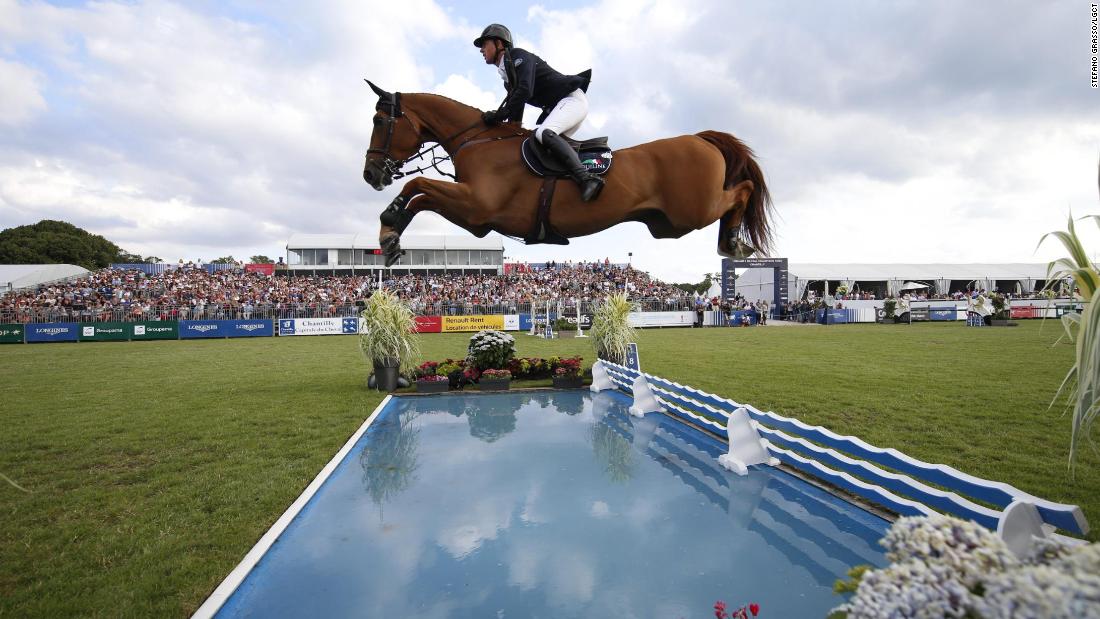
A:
{"x": 754, "y": 609}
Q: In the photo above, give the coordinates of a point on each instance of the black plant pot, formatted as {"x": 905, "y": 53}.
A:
{"x": 386, "y": 373}
{"x": 432, "y": 386}
{"x": 570, "y": 382}
{"x": 494, "y": 384}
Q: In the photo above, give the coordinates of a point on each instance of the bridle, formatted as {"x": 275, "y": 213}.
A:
{"x": 391, "y": 166}
{"x": 391, "y": 105}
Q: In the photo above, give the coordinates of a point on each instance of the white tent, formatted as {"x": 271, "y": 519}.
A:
{"x": 18, "y": 276}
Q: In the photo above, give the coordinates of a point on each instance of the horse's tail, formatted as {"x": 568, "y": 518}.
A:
{"x": 740, "y": 166}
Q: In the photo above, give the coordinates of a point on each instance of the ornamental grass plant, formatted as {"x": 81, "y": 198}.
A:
{"x": 611, "y": 331}
{"x": 389, "y": 331}
{"x": 1082, "y": 383}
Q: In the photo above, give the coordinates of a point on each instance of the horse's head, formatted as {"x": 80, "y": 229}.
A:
{"x": 395, "y": 138}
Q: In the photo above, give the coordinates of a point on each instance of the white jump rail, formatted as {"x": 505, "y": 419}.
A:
{"x": 852, "y": 464}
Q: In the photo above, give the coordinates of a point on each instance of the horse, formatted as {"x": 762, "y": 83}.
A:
{"x": 673, "y": 186}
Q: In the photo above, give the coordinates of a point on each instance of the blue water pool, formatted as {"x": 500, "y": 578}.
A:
{"x": 552, "y": 504}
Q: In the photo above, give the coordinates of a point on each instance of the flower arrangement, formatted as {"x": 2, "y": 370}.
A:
{"x": 568, "y": 368}
{"x": 530, "y": 367}
{"x": 741, "y": 613}
{"x": 945, "y": 567}
{"x": 890, "y": 307}
{"x": 491, "y": 349}
{"x": 430, "y": 378}
{"x": 426, "y": 369}
{"x": 1001, "y": 309}
{"x": 496, "y": 375}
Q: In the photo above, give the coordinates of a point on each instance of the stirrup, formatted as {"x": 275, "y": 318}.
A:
{"x": 591, "y": 186}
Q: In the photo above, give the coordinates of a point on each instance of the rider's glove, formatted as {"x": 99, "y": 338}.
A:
{"x": 491, "y": 117}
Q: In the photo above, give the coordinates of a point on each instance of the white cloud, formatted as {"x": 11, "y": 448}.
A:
{"x": 22, "y": 94}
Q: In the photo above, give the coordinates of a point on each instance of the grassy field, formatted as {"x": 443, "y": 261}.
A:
{"x": 153, "y": 467}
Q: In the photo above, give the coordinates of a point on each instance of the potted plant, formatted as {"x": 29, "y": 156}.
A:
{"x": 389, "y": 340}
{"x": 1001, "y": 311}
{"x": 611, "y": 331}
{"x": 568, "y": 374}
{"x": 564, "y": 328}
{"x": 889, "y": 309}
{"x": 1081, "y": 385}
{"x": 490, "y": 350}
{"x": 432, "y": 383}
{"x": 495, "y": 380}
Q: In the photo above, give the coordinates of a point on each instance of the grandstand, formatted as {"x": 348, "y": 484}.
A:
{"x": 361, "y": 254}
{"x": 22, "y": 276}
{"x": 882, "y": 280}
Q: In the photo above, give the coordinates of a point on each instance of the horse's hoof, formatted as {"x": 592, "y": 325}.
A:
{"x": 392, "y": 258}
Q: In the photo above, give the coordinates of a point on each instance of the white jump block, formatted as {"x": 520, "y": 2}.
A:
{"x": 600, "y": 380}
{"x": 644, "y": 399}
{"x": 1020, "y": 525}
{"x": 746, "y": 447}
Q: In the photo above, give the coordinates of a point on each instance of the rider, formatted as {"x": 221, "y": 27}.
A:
{"x": 528, "y": 79}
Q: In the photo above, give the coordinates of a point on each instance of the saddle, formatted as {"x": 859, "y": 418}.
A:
{"x": 594, "y": 154}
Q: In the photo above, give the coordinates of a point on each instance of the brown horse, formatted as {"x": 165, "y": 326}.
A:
{"x": 673, "y": 186}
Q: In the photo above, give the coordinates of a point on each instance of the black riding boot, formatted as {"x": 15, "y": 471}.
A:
{"x": 590, "y": 184}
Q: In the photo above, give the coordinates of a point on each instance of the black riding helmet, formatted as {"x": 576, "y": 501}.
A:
{"x": 495, "y": 31}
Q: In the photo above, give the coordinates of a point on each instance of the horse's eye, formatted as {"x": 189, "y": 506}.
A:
{"x": 377, "y": 121}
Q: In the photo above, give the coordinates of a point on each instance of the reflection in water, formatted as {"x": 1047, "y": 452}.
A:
{"x": 490, "y": 422}
{"x": 612, "y": 451}
{"x": 567, "y": 403}
{"x": 531, "y": 526}
{"x": 389, "y": 459}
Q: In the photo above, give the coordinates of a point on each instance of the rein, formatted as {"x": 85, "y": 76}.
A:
{"x": 394, "y": 166}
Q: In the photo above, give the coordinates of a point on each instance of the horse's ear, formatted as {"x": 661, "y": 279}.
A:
{"x": 382, "y": 94}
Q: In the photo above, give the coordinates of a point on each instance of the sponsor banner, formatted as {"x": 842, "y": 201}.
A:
{"x": 455, "y": 324}
{"x": 1026, "y": 312}
{"x": 193, "y": 329}
{"x": 918, "y": 314}
{"x": 52, "y": 332}
{"x": 511, "y": 322}
{"x": 586, "y": 320}
{"x": 662, "y": 319}
{"x": 525, "y": 322}
{"x": 251, "y": 328}
{"x": 319, "y": 326}
{"x": 154, "y": 330}
{"x": 11, "y": 333}
{"x": 942, "y": 313}
{"x": 103, "y": 331}
{"x": 266, "y": 269}
{"x": 429, "y": 324}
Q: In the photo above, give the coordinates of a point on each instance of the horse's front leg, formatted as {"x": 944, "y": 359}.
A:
{"x": 433, "y": 195}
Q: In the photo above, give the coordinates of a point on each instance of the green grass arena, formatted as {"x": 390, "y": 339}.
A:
{"x": 152, "y": 467}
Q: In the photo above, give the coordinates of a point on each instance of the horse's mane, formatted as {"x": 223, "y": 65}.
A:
{"x": 509, "y": 127}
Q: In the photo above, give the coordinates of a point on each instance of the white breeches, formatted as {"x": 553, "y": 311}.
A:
{"x": 566, "y": 117}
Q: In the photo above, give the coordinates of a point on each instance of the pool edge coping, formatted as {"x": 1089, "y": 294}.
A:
{"x": 221, "y": 594}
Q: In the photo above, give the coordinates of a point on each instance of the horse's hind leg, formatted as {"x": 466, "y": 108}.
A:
{"x": 730, "y": 243}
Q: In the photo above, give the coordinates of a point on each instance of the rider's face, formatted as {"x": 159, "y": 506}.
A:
{"x": 489, "y": 50}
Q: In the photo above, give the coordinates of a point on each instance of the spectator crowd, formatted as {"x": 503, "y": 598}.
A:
{"x": 190, "y": 292}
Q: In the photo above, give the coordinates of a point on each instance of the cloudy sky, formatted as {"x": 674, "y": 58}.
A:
{"x": 931, "y": 131}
